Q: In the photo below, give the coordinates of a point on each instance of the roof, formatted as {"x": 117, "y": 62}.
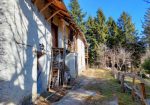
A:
{"x": 59, "y": 6}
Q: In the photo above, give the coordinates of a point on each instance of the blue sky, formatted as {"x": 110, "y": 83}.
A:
{"x": 113, "y": 8}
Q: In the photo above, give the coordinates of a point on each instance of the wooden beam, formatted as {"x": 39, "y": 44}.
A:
{"x": 143, "y": 91}
{"x": 35, "y": 1}
{"x": 46, "y": 6}
{"x": 122, "y": 83}
{"x": 55, "y": 13}
{"x": 133, "y": 88}
{"x": 87, "y": 57}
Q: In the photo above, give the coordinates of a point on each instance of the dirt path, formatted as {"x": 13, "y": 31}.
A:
{"x": 83, "y": 95}
{"x": 96, "y": 87}
{"x": 78, "y": 95}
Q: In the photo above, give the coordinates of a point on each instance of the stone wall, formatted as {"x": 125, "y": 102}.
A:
{"x": 22, "y": 29}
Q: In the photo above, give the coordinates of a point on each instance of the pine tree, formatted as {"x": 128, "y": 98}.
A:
{"x": 90, "y": 36}
{"x": 113, "y": 38}
{"x": 101, "y": 26}
{"x": 127, "y": 30}
{"x": 146, "y": 26}
{"x": 77, "y": 14}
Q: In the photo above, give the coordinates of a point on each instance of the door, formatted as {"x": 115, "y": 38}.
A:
{"x": 39, "y": 77}
{"x": 40, "y": 65}
{"x": 54, "y": 35}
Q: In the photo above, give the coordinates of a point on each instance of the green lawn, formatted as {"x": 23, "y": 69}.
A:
{"x": 148, "y": 88}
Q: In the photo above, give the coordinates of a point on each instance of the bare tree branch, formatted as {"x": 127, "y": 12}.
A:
{"x": 120, "y": 57}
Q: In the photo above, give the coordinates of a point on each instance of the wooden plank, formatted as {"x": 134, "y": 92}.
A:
{"x": 133, "y": 88}
{"x": 55, "y": 13}
{"x": 35, "y": 1}
{"x": 46, "y": 6}
{"x": 122, "y": 84}
{"x": 133, "y": 94}
{"x": 119, "y": 76}
{"x": 133, "y": 81}
{"x": 138, "y": 94}
{"x": 60, "y": 5}
{"x": 143, "y": 90}
{"x": 135, "y": 76}
{"x": 87, "y": 54}
{"x": 127, "y": 86}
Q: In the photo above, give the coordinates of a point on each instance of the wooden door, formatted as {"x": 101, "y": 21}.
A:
{"x": 55, "y": 35}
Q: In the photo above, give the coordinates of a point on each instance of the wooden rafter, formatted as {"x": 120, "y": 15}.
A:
{"x": 55, "y": 13}
{"x": 46, "y": 6}
{"x": 35, "y": 1}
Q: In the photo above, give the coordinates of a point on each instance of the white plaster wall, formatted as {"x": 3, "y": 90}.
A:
{"x": 71, "y": 58}
{"x": 81, "y": 55}
{"x": 70, "y": 62}
{"x": 20, "y": 22}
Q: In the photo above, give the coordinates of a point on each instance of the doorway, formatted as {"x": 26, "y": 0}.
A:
{"x": 39, "y": 77}
{"x": 54, "y": 35}
{"x": 40, "y": 59}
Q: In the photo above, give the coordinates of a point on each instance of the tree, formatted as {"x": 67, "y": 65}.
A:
{"x": 90, "y": 36}
{"x": 146, "y": 26}
{"x": 137, "y": 49}
{"x": 77, "y": 14}
{"x": 145, "y": 61}
{"x": 127, "y": 30}
{"x": 146, "y": 65}
{"x": 113, "y": 38}
{"x": 100, "y": 34}
{"x": 101, "y": 28}
{"x": 93, "y": 37}
{"x": 145, "y": 56}
{"x": 122, "y": 58}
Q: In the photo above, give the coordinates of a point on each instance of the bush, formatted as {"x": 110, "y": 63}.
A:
{"x": 146, "y": 65}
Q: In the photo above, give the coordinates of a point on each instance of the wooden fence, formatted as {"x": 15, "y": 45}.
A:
{"x": 137, "y": 89}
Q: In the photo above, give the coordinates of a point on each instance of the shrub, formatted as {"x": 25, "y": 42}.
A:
{"x": 146, "y": 65}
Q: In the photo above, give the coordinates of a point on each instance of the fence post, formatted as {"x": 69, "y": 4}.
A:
{"x": 115, "y": 74}
{"x": 133, "y": 90}
{"x": 122, "y": 83}
{"x": 143, "y": 90}
{"x": 118, "y": 77}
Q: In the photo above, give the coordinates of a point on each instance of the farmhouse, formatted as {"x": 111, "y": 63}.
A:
{"x": 40, "y": 48}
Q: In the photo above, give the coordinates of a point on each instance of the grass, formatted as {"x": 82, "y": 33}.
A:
{"x": 108, "y": 88}
{"x": 129, "y": 81}
{"x": 148, "y": 91}
{"x": 147, "y": 88}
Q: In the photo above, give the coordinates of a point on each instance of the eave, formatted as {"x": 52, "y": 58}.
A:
{"x": 59, "y": 9}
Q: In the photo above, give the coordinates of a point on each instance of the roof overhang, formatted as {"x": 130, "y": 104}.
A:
{"x": 59, "y": 4}
{"x": 61, "y": 9}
